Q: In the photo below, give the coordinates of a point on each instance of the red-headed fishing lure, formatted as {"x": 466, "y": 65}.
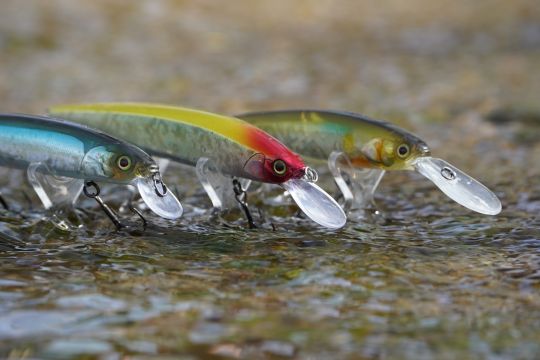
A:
{"x": 235, "y": 147}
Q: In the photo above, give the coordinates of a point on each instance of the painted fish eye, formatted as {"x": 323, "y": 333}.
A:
{"x": 280, "y": 168}
{"x": 403, "y": 150}
{"x": 124, "y": 162}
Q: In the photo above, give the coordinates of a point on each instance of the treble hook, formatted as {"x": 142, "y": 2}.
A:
{"x": 3, "y": 202}
{"x": 240, "y": 195}
{"x": 87, "y": 190}
{"x": 136, "y": 211}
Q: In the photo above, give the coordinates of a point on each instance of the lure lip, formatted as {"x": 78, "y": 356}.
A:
{"x": 457, "y": 185}
{"x": 163, "y": 203}
{"x": 316, "y": 203}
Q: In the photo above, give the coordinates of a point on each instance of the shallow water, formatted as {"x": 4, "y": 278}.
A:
{"x": 431, "y": 279}
{"x": 427, "y": 279}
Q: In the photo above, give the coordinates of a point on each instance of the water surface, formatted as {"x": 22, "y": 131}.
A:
{"x": 428, "y": 279}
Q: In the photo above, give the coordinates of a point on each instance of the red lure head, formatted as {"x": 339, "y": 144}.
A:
{"x": 274, "y": 162}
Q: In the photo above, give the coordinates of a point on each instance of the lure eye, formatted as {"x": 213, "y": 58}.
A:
{"x": 124, "y": 162}
{"x": 280, "y": 167}
{"x": 403, "y": 150}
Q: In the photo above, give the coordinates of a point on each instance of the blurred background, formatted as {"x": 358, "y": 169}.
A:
{"x": 436, "y": 60}
{"x": 435, "y": 281}
{"x": 451, "y": 71}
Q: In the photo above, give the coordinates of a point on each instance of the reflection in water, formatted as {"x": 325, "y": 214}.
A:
{"x": 210, "y": 289}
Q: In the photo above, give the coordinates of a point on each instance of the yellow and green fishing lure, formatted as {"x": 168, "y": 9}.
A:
{"x": 372, "y": 144}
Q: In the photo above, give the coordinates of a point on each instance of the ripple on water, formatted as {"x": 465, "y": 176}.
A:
{"x": 67, "y": 348}
{"x": 91, "y": 301}
{"x": 392, "y": 284}
{"x": 31, "y": 323}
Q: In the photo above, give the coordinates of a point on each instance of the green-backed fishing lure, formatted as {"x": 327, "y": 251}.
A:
{"x": 371, "y": 144}
{"x": 63, "y": 149}
{"x": 235, "y": 147}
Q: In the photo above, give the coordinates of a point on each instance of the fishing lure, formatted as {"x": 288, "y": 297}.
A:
{"x": 235, "y": 147}
{"x": 370, "y": 144}
{"x": 73, "y": 158}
